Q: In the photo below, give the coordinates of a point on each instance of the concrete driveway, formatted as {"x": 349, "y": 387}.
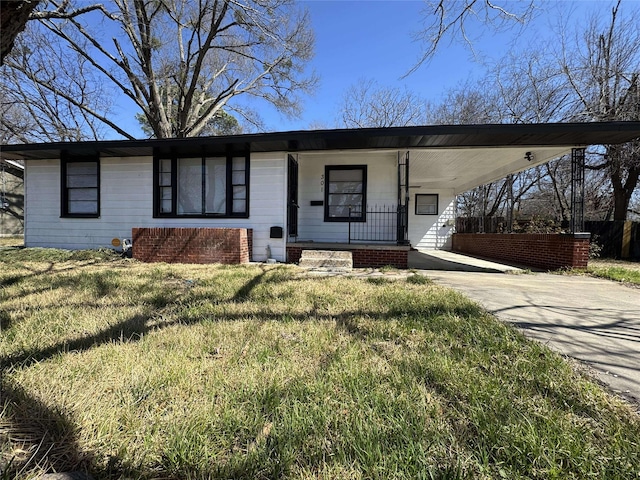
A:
{"x": 593, "y": 320}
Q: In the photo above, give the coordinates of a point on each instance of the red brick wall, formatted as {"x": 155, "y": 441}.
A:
{"x": 362, "y": 257}
{"x": 193, "y": 245}
{"x": 545, "y": 251}
{"x": 294, "y": 254}
{"x": 380, "y": 258}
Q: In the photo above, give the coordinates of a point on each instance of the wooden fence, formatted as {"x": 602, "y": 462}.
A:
{"x": 616, "y": 239}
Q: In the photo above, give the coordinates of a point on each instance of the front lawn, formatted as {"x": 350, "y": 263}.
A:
{"x": 618, "y": 270}
{"x": 130, "y": 370}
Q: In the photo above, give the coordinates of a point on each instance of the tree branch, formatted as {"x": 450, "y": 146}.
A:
{"x": 61, "y": 13}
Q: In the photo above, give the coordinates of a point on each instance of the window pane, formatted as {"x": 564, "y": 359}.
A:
{"x": 78, "y": 207}
{"x": 82, "y": 189}
{"x": 216, "y": 185}
{"x": 237, "y": 178}
{"x": 165, "y": 186}
{"x": 426, "y": 204}
{"x": 82, "y": 168}
{"x": 165, "y": 206}
{"x": 345, "y": 181}
{"x": 238, "y": 171}
{"x": 239, "y": 192}
{"x": 338, "y": 211}
{"x": 165, "y": 193}
{"x": 343, "y": 211}
{"x": 339, "y": 207}
{"x": 238, "y": 163}
{"x": 165, "y": 179}
{"x": 90, "y": 194}
{"x": 240, "y": 199}
{"x": 82, "y": 174}
{"x": 201, "y": 186}
{"x": 239, "y": 206}
{"x": 165, "y": 165}
{"x": 343, "y": 202}
{"x": 81, "y": 181}
{"x": 345, "y": 187}
{"x": 345, "y": 199}
{"x": 354, "y": 175}
{"x": 189, "y": 185}
{"x": 345, "y": 192}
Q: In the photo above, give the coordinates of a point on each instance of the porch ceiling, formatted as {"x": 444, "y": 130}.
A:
{"x": 461, "y": 169}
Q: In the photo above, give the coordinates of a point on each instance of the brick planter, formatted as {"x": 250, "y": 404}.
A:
{"x": 545, "y": 251}
{"x": 193, "y": 245}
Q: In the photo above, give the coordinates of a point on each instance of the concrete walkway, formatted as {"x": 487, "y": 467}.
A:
{"x": 450, "y": 261}
{"x": 593, "y": 320}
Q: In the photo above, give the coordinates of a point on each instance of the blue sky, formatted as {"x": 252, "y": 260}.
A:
{"x": 373, "y": 40}
{"x": 370, "y": 40}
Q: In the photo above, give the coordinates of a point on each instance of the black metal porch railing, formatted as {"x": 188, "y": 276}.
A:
{"x": 385, "y": 223}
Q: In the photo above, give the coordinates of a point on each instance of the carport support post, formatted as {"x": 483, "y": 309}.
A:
{"x": 577, "y": 190}
{"x": 510, "y": 203}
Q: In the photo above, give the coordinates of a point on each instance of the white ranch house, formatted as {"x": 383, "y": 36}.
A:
{"x": 290, "y": 189}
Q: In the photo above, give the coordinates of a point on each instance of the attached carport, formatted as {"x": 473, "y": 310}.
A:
{"x": 461, "y": 161}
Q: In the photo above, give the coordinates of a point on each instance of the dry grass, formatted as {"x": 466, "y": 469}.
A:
{"x": 11, "y": 242}
{"x": 610, "y": 263}
{"x": 618, "y": 270}
{"x": 129, "y": 370}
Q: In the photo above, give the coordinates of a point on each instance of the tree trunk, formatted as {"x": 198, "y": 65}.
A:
{"x": 13, "y": 18}
{"x": 620, "y": 205}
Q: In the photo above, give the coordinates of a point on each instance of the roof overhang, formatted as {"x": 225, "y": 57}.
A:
{"x": 11, "y": 166}
{"x": 455, "y": 157}
{"x": 559, "y": 135}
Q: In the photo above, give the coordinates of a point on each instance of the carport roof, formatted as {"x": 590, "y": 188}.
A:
{"x": 431, "y": 137}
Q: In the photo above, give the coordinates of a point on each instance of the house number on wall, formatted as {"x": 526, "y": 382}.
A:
{"x": 322, "y": 183}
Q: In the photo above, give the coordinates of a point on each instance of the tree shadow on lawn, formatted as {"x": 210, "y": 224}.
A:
{"x": 160, "y": 303}
{"x": 34, "y": 437}
{"x": 15, "y": 279}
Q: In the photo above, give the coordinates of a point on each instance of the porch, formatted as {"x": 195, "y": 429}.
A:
{"x": 365, "y": 198}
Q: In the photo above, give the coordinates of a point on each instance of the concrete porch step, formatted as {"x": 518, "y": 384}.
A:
{"x": 326, "y": 260}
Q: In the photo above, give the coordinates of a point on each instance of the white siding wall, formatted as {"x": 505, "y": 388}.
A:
{"x": 432, "y": 231}
{"x": 382, "y": 185}
{"x": 126, "y": 195}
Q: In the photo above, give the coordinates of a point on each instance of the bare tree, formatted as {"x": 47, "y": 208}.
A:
{"x": 222, "y": 123}
{"x": 205, "y": 55}
{"x": 31, "y": 110}
{"x": 529, "y": 88}
{"x": 15, "y": 14}
{"x": 367, "y": 104}
{"x": 602, "y": 68}
{"x": 469, "y": 103}
{"x": 448, "y": 20}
